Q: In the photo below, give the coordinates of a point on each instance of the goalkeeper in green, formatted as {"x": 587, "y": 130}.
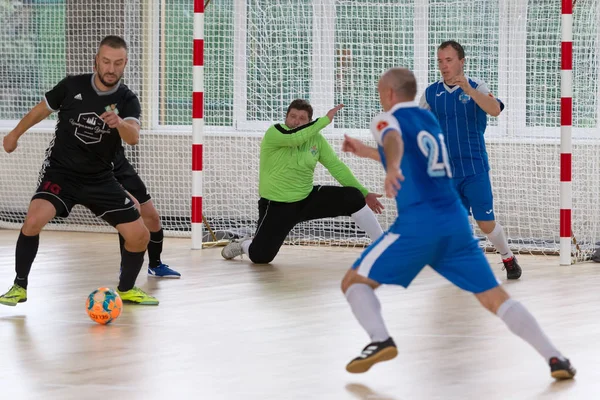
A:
{"x": 288, "y": 156}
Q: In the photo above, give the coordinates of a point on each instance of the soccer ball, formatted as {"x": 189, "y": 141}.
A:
{"x": 104, "y": 305}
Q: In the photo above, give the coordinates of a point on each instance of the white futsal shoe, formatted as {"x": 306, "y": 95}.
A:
{"x": 234, "y": 248}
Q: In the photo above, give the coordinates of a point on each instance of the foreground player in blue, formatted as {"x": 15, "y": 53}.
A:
{"x": 432, "y": 228}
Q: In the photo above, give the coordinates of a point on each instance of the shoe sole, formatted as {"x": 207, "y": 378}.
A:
{"x": 11, "y": 304}
{"x": 142, "y": 303}
{"x": 358, "y": 367}
{"x": 562, "y": 374}
{"x": 514, "y": 277}
{"x": 167, "y": 276}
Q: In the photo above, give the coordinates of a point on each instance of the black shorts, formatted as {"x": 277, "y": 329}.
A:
{"x": 104, "y": 197}
{"x": 276, "y": 219}
{"x": 131, "y": 181}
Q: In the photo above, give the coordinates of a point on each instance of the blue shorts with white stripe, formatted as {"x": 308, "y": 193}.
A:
{"x": 397, "y": 257}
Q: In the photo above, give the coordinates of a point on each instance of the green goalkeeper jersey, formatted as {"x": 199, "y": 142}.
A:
{"x": 288, "y": 158}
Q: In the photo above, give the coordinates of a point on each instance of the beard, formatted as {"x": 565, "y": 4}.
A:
{"x": 109, "y": 84}
{"x": 102, "y": 79}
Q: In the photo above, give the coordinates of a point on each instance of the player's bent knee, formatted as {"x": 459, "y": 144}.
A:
{"x": 36, "y": 219}
{"x": 352, "y": 277}
{"x": 33, "y": 225}
{"x": 31, "y": 228}
{"x": 354, "y": 200}
{"x": 138, "y": 242}
{"x": 486, "y": 226}
{"x": 348, "y": 280}
{"x": 151, "y": 217}
{"x": 136, "y": 236}
{"x": 261, "y": 258}
{"x": 261, "y": 252}
{"x": 492, "y": 299}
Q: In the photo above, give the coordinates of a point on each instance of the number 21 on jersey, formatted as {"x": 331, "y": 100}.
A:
{"x": 431, "y": 149}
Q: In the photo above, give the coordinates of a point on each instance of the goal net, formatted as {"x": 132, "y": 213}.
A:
{"x": 262, "y": 54}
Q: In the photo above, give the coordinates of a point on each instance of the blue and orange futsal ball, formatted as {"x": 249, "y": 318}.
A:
{"x": 104, "y": 305}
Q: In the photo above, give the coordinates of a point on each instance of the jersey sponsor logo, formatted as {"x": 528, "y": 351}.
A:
{"x": 78, "y": 96}
{"x": 89, "y": 128}
{"x": 113, "y": 108}
{"x": 464, "y": 98}
{"x": 381, "y": 125}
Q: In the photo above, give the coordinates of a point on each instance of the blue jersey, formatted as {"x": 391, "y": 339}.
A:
{"x": 463, "y": 123}
{"x": 432, "y": 227}
{"x": 425, "y": 161}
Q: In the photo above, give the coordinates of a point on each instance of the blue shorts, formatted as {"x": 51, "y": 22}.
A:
{"x": 397, "y": 258}
{"x": 475, "y": 191}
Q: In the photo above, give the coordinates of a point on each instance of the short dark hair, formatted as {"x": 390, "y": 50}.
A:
{"x": 456, "y": 46}
{"x": 301, "y": 105}
{"x": 115, "y": 42}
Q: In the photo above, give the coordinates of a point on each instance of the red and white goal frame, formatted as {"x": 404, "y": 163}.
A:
{"x": 566, "y": 122}
{"x": 197, "y": 124}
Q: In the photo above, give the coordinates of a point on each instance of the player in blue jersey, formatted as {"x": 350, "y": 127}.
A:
{"x": 432, "y": 228}
{"x": 461, "y": 104}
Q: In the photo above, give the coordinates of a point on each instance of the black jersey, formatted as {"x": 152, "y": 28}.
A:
{"x": 120, "y": 158}
{"x": 83, "y": 144}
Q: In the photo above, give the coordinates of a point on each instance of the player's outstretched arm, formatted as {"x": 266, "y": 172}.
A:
{"x": 35, "y": 115}
{"x": 336, "y": 167}
{"x": 277, "y": 136}
{"x": 359, "y": 149}
{"x": 331, "y": 113}
{"x": 393, "y": 148}
{"x": 344, "y": 175}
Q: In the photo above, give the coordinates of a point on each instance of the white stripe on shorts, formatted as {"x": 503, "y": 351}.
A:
{"x": 367, "y": 263}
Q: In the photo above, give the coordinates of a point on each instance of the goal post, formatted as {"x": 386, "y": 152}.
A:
{"x": 197, "y": 216}
{"x": 566, "y": 122}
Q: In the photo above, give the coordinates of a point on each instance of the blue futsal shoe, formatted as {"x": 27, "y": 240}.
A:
{"x": 163, "y": 271}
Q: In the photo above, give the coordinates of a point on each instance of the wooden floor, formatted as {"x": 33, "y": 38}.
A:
{"x": 228, "y": 330}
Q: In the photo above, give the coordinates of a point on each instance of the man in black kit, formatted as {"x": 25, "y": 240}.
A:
{"x": 95, "y": 111}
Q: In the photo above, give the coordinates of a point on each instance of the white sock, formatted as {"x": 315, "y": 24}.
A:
{"x": 524, "y": 325}
{"x": 246, "y": 246}
{"x": 499, "y": 241}
{"x": 366, "y": 220}
{"x": 367, "y": 310}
